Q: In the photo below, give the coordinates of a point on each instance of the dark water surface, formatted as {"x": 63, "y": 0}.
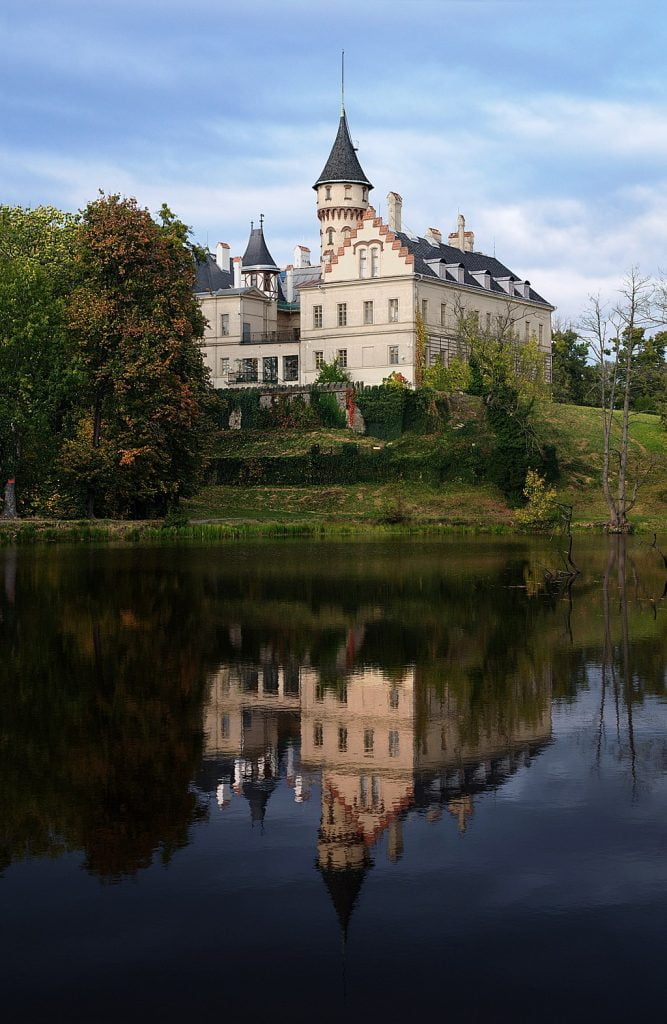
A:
{"x": 336, "y": 781}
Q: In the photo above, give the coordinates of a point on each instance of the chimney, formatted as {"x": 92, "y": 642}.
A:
{"x": 301, "y": 256}
{"x": 222, "y": 256}
{"x": 289, "y": 283}
{"x": 237, "y": 271}
{"x": 462, "y": 239}
{"x": 434, "y": 235}
{"x": 394, "y": 209}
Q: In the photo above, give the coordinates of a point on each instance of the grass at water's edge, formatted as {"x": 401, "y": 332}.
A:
{"x": 28, "y": 532}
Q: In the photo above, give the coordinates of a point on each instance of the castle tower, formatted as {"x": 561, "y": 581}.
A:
{"x": 342, "y": 192}
{"x": 259, "y": 269}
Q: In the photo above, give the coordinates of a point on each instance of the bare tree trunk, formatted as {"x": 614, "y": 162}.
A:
{"x": 9, "y": 508}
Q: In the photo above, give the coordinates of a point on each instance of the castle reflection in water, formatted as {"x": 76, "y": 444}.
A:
{"x": 378, "y": 746}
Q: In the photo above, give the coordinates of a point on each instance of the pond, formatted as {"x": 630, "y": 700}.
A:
{"x": 333, "y": 781}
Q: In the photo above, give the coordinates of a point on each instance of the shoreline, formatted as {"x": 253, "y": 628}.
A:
{"x": 27, "y": 531}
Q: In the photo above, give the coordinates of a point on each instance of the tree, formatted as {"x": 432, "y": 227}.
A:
{"x": 573, "y": 377}
{"x": 649, "y": 371}
{"x": 36, "y": 270}
{"x": 510, "y": 377}
{"x": 615, "y": 336}
{"x": 143, "y": 434}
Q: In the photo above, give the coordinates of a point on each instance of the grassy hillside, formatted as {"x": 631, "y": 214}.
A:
{"x": 575, "y": 432}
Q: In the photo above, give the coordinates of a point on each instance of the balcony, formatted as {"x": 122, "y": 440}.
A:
{"x": 271, "y": 337}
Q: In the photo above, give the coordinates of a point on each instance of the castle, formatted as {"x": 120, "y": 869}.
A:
{"x": 364, "y": 304}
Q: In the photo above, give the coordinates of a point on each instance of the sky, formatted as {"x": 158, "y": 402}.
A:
{"x": 544, "y": 123}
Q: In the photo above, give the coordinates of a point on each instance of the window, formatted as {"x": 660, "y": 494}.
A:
{"x": 224, "y": 727}
{"x": 363, "y": 791}
{"x": 270, "y": 369}
{"x": 224, "y": 325}
{"x": 342, "y": 692}
{"x": 319, "y": 359}
{"x": 363, "y": 270}
{"x": 319, "y": 691}
{"x": 317, "y": 734}
{"x": 539, "y": 333}
{"x": 393, "y": 311}
{"x": 224, "y": 366}
{"x": 526, "y": 332}
{"x": 327, "y": 191}
{"x": 342, "y": 738}
{"x": 369, "y": 738}
{"x": 424, "y": 310}
{"x": 474, "y": 317}
{"x": 290, "y": 367}
{"x": 368, "y": 312}
{"x": 246, "y": 332}
{"x": 270, "y": 680}
{"x": 330, "y": 236}
{"x": 393, "y": 743}
{"x": 443, "y": 313}
{"x": 317, "y": 316}
{"x": 341, "y": 357}
{"x": 364, "y": 194}
{"x": 341, "y": 315}
{"x": 375, "y": 262}
{"x": 393, "y": 698}
{"x": 267, "y": 284}
{"x": 488, "y": 323}
{"x": 348, "y": 191}
{"x": 249, "y": 370}
{"x": 393, "y": 355}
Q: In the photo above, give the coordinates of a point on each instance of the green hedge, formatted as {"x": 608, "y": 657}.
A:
{"x": 457, "y": 457}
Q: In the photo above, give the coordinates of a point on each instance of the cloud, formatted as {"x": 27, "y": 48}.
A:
{"x": 583, "y": 125}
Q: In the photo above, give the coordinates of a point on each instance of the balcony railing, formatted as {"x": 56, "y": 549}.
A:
{"x": 271, "y": 337}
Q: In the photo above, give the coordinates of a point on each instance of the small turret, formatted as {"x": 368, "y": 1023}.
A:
{"x": 258, "y": 265}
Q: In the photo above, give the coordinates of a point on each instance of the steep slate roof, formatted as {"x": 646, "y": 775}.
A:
{"x": 343, "y": 164}
{"x": 423, "y": 250}
{"x": 209, "y": 277}
{"x": 257, "y": 253}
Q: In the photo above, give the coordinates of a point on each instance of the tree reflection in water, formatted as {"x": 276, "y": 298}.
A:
{"x": 402, "y": 679}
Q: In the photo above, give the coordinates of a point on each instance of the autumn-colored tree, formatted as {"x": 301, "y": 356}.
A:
{"x": 143, "y": 435}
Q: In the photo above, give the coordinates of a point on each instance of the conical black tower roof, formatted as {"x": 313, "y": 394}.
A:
{"x": 343, "y": 164}
{"x": 257, "y": 253}
{"x": 344, "y": 885}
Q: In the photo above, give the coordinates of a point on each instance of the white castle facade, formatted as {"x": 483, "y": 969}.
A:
{"x": 364, "y": 302}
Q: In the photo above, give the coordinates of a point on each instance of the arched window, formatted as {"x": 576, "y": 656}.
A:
{"x": 330, "y": 236}
{"x": 363, "y": 260}
{"x": 375, "y": 262}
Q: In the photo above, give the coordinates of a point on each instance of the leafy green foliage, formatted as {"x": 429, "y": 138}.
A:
{"x": 454, "y": 377}
{"x": 573, "y": 377}
{"x": 332, "y": 373}
{"x": 328, "y": 409}
{"x": 541, "y": 508}
{"x": 37, "y": 380}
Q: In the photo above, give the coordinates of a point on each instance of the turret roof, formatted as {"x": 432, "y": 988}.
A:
{"x": 257, "y": 253}
{"x": 343, "y": 163}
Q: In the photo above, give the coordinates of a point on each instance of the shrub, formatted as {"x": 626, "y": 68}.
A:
{"x": 327, "y": 409}
{"x": 454, "y": 377}
{"x": 541, "y": 507}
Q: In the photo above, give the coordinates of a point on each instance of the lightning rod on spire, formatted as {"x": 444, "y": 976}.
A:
{"x": 342, "y": 81}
